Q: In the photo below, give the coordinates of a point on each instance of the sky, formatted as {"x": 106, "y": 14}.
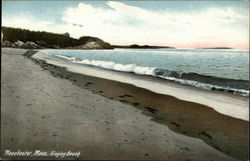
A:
{"x": 181, "y": 24}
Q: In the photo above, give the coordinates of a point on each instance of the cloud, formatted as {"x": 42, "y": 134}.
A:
{"x": 124, "y": 24}
{"x": 35, "y": 24}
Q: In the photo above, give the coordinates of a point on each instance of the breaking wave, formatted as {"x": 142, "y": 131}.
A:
{"x": 240, "y": 87}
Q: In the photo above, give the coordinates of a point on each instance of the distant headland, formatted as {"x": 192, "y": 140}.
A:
{"x": 216, "y": 48}
{"x": 135, "y": 46}
{"x": 22, "y": 38}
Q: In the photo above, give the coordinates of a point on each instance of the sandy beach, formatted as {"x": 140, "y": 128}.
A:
{"x": 46, "y": 108}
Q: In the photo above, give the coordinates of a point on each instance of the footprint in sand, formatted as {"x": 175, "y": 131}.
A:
{"x": 43, "y": 117}
{"x": 186, "y": 148}
{"x": 183, "y": 132}
{"x": 216, "y": 147}
{"x": 123, "y": 101}
{"x": 127, "y": 95}
{"x": 205, "y": 134}
{"x": 152, "y": 110}
{"x": 136, "y": 103}
{"x": 177, "y": 125}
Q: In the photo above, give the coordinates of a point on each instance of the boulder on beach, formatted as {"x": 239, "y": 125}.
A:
{"x": 7, "y": 44}
{"x": 30, "y": 45}
{"x": 18, "y": 43}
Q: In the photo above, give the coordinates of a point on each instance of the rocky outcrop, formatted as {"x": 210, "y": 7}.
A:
{"x": 7, "y": 44}
{"x": 29, "y": 45}
{"x": 100, "y": 44}
{"x": 18, "y": 43}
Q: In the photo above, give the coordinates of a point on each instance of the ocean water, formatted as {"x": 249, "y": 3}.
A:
{"x": 213, "y": 69}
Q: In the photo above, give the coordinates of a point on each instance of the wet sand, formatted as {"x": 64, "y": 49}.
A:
{"x": 50, "y": 108}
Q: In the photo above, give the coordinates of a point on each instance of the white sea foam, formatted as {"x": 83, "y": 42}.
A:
{"x": 113, "y": 66}
{"x": 118, "y": 67}
{"x": 66, "y": 57}
{"x": 207, "y": 86}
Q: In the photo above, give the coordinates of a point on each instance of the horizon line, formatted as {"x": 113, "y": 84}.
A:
{"x": 140, "y": 44}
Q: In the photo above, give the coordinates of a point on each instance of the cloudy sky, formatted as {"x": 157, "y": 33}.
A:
{"x": 182, "y": 24}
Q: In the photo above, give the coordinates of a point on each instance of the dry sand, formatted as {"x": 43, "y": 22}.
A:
{"x": 41, "y": 111}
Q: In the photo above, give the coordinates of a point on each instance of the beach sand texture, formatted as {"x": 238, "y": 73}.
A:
{"x": 49, "y": 109}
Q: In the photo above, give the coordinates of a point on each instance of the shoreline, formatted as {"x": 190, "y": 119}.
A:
{"x": 115, "y": 121}
{"x": 188, "y": 118}
{"x": 225, "y": 103}
{"x": 213, "y": 83}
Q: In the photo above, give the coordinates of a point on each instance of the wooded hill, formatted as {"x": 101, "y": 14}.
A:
{"x": 45, "y": 39}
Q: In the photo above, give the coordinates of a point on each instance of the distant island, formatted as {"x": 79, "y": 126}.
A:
{"x": 135, "y": 46}
{"x": 216, "y": 48}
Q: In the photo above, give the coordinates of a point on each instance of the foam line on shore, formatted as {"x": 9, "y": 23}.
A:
{"x": 228, "y": 104}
